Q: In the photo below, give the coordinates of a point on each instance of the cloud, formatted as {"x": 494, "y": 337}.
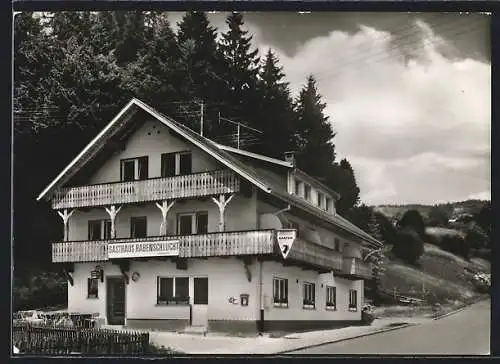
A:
{"x": 414, "y": 123}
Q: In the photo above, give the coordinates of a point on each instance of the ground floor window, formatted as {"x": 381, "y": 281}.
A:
{"x": 309, "y": 295}
{"x": 331, "y": 298}
{"x": 92, "y": 287}
{"x": 353, "y": 300}
{"x": 280, "y": 292}
{"x": 172, "y": 290}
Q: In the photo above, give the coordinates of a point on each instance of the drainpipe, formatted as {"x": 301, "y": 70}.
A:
{"x": 288, "y": 208}
{"x": 261, "y": 300}
{"x": 371, "y": 253}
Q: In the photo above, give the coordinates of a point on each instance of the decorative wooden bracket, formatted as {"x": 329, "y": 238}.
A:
{"x": 164, "y": 207}
{"x": 222, "y": 202}
{"x": 65, "y": 215}
{"x": 112, "y": 212}
{"x": 67, "y": 270}
{"x": 247, "y": 261}
{"x": 124, "y": 269}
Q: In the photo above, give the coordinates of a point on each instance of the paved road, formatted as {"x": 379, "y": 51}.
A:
{"x": 464, "y": 333}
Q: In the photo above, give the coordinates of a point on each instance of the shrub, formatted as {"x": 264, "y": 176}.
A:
{"x": 412, "y": 219}
{"x": 408, "y": 245}
{"x": 457, "y": 245}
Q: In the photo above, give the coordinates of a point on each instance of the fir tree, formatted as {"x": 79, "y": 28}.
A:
{"x": 377, "y": 259}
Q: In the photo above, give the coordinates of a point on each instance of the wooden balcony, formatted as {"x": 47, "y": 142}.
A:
{"x": 357, "y": 268}
{"x": 306, "y": 251}
{"x": 202, "y": 245}
{"x": 155, "y": 189}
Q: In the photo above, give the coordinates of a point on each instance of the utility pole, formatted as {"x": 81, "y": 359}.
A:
{"x": 201, "y": 122}
{"x": 238, "y": 136}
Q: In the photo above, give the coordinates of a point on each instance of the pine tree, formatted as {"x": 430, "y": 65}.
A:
{"x": 241, "y": 67}
{"x": 340, "y": 177}
{"x": 377, "y": 259}
{"x": 314, "y": 135}
{"x": 276, "y": 113}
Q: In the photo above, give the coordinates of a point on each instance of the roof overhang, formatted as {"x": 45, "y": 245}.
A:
{"x": 115, "y": 125}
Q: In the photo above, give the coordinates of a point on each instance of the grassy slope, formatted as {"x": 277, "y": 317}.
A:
{"x": 442, "y": 274}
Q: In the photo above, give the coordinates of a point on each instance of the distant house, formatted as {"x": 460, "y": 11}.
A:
{"x": 165, "y": 228}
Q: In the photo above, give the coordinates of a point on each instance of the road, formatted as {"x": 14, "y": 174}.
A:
{"x": 463, "y": 333}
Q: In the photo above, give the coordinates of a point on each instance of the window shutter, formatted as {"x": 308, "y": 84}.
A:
{"x": 143, "y": 167}
{"x": 168, "y": 165}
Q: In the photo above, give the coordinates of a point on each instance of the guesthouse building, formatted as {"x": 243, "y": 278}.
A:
{"x": 164, "y": 228}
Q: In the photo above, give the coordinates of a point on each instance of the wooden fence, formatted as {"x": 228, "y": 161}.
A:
{"x": 31, "y": 339}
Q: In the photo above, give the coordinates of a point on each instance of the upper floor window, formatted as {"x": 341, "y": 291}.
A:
{"x": 134, "y": 169}
{"x": 99, "y": 229}
{"x": 175, "y": 164}
{"x": 328, "y": 204}
{"x": 307, "y": 192}
{"x": 336, "y": 245}
{"x": 297, "y": 187}
{"x": 320, "y": 200}
{"x": 138, "y": 227}
{"x": 192, "y": 223}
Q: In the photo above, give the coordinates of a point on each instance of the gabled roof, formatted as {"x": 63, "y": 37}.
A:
{"x": 255, "y": 155}
{"x": 264, "y": 181}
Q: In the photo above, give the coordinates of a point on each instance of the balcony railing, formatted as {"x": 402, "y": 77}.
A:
{"x": 202, "y": 245}
{"x": 316, "y": 254}
{"x": 191, "y": 185}
{"x": 357, "y": 267}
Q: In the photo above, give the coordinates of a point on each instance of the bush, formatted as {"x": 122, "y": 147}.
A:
{"x": 42, "y": 290}
{"x": 457, "y": 245}
{"x": 408, "y": 245}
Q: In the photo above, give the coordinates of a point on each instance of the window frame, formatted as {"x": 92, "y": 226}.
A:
{"x": 320, "y": 198}
{"x": 138, "y": 218}
{"x": 105, "y": 234}
{"x": 194, "y": 222}
{"x": 337, "y": 245}
{"x": 353, "y": 307}
{"x": 177, "y": 163}
{"x": 279, "y": 301}
{"x": 331, "y": 302}
{"x": 137, "y": 168}
{"x": 96, "y": 295}
{"x": 307, "y": 192}
{"x": 174, "y": 300}
{"x": 307, "y": 303}
{"x": 297, "y": 186}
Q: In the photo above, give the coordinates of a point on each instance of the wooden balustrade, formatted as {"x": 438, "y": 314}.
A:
{"x": 357, "y": 267}
{"x": 316, "y": 254}
{"x": 191, "y": 185}
{"x": 202, "y": 245}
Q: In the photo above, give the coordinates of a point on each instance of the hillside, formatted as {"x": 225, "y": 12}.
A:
{"x": 442, "y": 275}
{"x": 466, "y": 207}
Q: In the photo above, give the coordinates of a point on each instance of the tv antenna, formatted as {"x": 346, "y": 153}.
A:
{"x": 239, "y": 125}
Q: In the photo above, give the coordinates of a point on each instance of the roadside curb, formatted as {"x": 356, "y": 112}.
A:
{"x": 460, "y": 309}
{"x": 347, "y": 338}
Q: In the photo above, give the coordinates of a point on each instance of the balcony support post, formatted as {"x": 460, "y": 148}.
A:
{"x": 112, "y": 212}
{"x": 222, "y": 202}
{"x": 164, "y": 207}
{"x": 65, "y": 215}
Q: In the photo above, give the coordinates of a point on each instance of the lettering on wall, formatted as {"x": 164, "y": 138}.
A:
{"x": 143, "y": 249}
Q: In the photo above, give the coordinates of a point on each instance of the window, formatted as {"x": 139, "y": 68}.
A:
{"x": 175, "y": 164}
{"x": 307, "y": 192}
{"x": 172, "y": 291}
{"x": 331, "y": 298}
{"x": 138, "y": 227}
{"x": 320, "y": 199}
{"x": 280, "y": 292}
{"x": 353, "y": 300}
{"x": 309, "y": 295}
{"x": 328, "y": 204}
{"x": 134, "y": 169}
{"x": 99, "y": 229}
{"x": 297, "y": 187}
{"x": 192, "y": 223}
{"x": 92, "y": 287}
{"x": 336, "y": 245}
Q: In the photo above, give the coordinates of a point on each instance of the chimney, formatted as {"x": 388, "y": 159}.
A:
{"x": 290, "y": 158}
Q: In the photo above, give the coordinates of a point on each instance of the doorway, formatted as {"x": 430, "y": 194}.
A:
{"x": 115, "y": 300}
{"x": 200, "y": 301}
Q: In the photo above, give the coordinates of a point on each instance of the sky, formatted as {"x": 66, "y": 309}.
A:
{"x": 407, "y": 94}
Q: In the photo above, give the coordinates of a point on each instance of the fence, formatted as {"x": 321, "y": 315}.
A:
{"x": 35, "y": 339}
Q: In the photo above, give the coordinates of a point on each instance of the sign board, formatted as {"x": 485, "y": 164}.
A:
{"x": 143, "y": 249}
{"x": 285, "y": 240}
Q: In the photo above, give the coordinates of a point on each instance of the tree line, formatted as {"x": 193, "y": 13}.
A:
{"x": 73, "y": 71}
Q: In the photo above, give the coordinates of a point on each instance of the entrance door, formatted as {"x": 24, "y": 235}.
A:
{"x": 115, "y": 300}
{"x": 200, "y": 301}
